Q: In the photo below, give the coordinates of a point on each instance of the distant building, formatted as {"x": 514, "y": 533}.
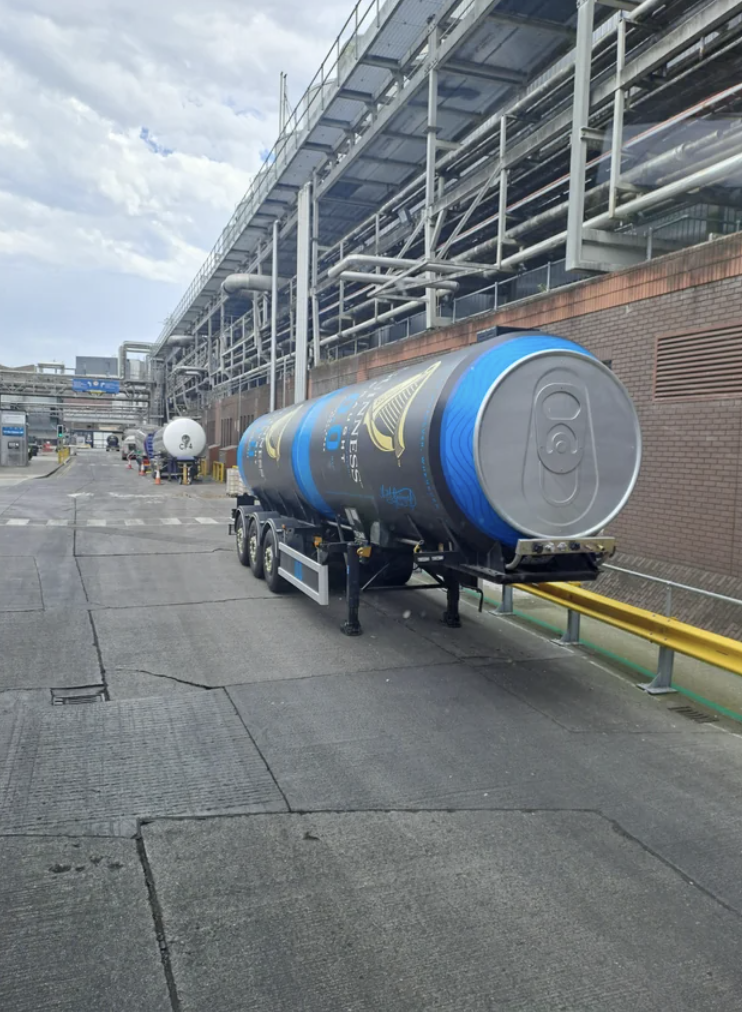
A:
{"x": 86, "y": 365}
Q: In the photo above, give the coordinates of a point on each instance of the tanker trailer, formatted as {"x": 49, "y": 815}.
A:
{"x": 175, "y": 449}
{"x": 141, "y": 449}
{"x": 128, "y": 446}
{"x": 503, "y": 461}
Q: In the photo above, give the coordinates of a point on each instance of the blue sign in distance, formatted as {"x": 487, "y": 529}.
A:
{"x": 95, "y": 386}
{"x": 13, "y": 430}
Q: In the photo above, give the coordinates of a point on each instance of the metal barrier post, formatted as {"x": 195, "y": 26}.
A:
{"x": 661, "y": 685}
{"x": 506, "y": 605}
{"x": 572, "y": 632}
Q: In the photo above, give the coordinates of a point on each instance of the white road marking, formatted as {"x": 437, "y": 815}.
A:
{"x": 115, "y": 521}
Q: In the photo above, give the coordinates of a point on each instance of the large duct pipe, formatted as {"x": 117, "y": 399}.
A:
{"x": 239, "y": 284}
{"x": 144, "y": 347}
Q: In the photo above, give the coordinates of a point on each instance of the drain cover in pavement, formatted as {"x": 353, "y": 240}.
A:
{"x": 696, "y": 715}
{"x": 79, "y": 694}
{"x": 97, "y": 769}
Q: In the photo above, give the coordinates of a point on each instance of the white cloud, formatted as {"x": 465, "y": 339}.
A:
{"x": 130, "y": 130}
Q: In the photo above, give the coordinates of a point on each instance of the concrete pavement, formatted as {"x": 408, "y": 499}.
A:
{"x": 256, "y": 813}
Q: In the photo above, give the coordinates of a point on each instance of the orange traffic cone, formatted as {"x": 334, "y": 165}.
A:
{"x": 157, "y": 478}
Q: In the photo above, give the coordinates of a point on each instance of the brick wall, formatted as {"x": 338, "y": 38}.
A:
{"x": 233, "y": 414}
{"x": 687, "y": 509}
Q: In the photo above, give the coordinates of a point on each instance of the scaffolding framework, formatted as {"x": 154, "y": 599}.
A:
{"x": 447, "y": 151}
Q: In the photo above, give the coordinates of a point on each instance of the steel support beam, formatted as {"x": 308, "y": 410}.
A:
{"x": 537, "y": 24}
{"x": 580, "y": 123}
{"x": 315, "y": 274}
{"x": 274, "y": 315}
{"x": 303, "y": 251}
{"x": 431, "y": 304}
{"x": 619, "y": 108}
{"x": 502, "y": 218}
{"x": 467, "y": 68}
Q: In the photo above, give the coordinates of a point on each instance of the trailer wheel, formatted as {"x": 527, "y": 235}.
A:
{"x": 395, "y": 572}
{"x": 243, "y": 553}
{"x": 254, "y": 549}
{"x": 271, "y": 559}
{"x": 399, "y": 571}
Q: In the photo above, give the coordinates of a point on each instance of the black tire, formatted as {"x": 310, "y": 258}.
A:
{"x": 240, "y": 537}
{"x": 399, "y": 572}
{"x": 393, "y": 572}
{"x": 271, "y": 558}
{"x": 254, "y": 549}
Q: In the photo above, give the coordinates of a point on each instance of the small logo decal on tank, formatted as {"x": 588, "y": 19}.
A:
{"x": 399, "y": 498}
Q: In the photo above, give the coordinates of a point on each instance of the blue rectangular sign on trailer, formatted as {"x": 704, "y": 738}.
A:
{"x": 96, "y": 386}
{"x": 13, "y": 430}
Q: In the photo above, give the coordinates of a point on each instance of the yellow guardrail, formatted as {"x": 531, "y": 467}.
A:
{"x": 218, "y": 471}
{"x": 670, "y": 635}
{"x": 63, "y": 453}
{"x": 203, "y": 467}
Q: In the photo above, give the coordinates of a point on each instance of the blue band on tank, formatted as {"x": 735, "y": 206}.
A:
{"x": 459, "y": 421}
{"x": 252, "y": 432}
{"x": 240, "y": 454}
{"x": 300, "y": 458}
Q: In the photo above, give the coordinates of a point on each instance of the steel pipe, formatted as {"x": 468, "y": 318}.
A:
{"x": 373, "y": 321}
{"x": 236, "y": 284}
{"x": 376, "y": 279}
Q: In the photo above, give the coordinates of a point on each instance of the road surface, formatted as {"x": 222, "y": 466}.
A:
{"x": 260, "y": 814}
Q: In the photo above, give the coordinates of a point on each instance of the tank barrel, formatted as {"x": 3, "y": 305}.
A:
{"x": 523, "y": 436}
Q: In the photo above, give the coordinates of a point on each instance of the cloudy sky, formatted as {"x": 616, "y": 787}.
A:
{"x": 129, "y": 130}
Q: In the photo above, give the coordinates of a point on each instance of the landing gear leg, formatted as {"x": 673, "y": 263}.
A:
{"x": 352, "y": 627}
{"x": 451, "y": 615}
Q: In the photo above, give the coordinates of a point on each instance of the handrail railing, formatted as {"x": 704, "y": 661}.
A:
{"x": 303, "y": 117}
{"x": 671, "y": 584}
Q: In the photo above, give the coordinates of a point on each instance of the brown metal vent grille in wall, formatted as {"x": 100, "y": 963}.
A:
{"x": 703, "y": 364}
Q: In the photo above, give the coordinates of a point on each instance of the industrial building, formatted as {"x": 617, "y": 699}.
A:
{"x": 98, "y": 395}
{"x": 455, "y": 167}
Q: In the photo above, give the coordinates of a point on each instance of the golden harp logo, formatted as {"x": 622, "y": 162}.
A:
{"x": 386, "y": 417}
{"x": 275, "y": 433}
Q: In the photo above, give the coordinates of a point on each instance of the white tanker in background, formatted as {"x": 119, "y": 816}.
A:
{"x": 168, "y": 450}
